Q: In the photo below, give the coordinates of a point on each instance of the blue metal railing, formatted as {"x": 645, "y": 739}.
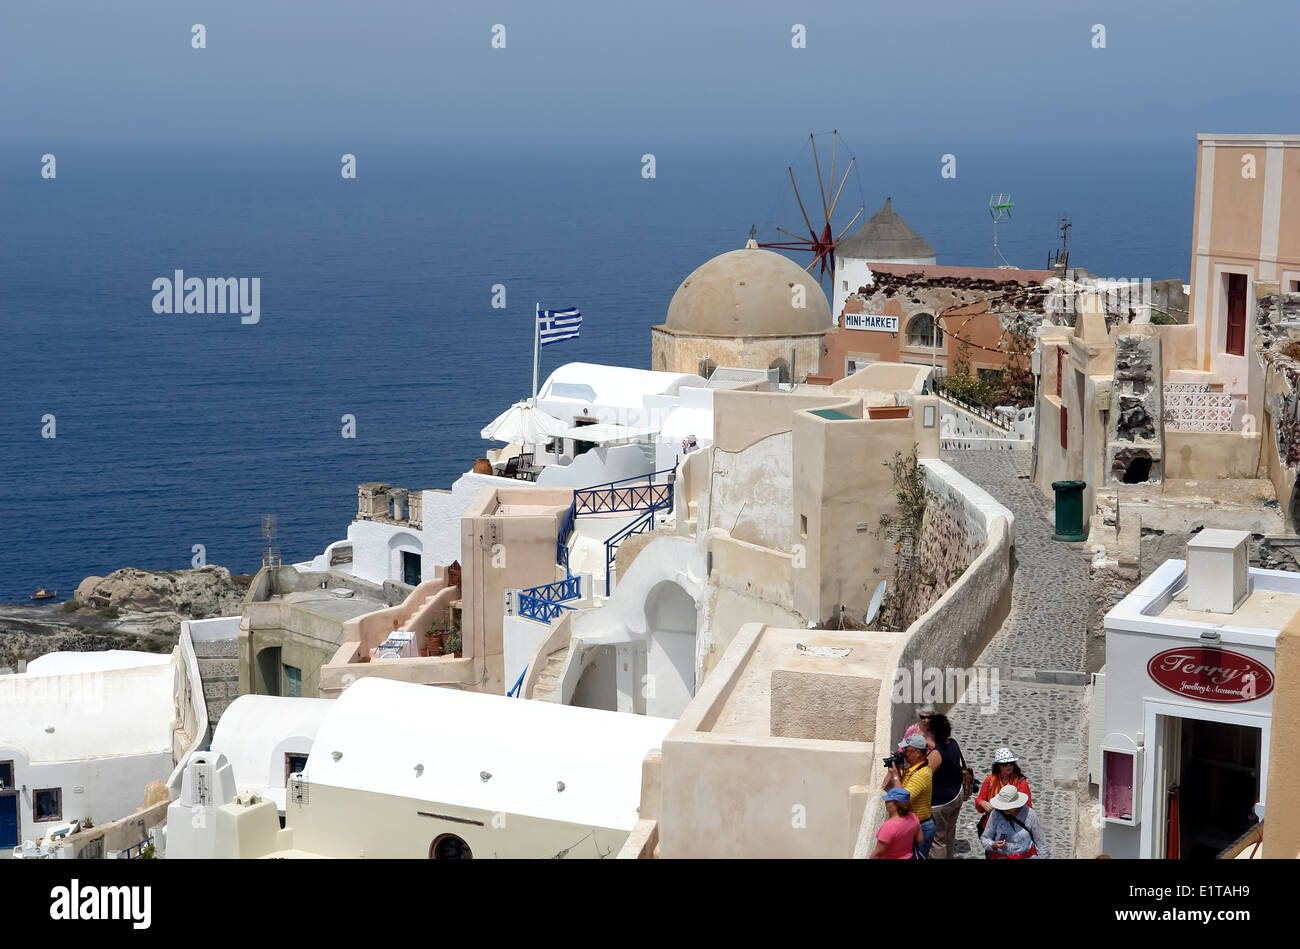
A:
{"x": 544, "y": 603}
{"x": 133, "y": 852}
{"x": 513, "y": 693}
{"x": 534, "y": 607}
{"x": 562, "y": 540}
{"x": 570, "y": 588}
{"x": 646, "y": 522}
{"x": 626, "y": 494}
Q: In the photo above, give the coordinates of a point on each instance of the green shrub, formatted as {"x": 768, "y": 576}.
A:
{"x": 71, "y": 606}
{"x": 109, "y": 612}
{"x": 1163, "y": 319}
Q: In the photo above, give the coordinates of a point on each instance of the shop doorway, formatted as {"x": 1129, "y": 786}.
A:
{"x": 1219, "y": 785}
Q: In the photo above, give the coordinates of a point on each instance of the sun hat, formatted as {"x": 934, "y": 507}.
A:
{"x": 1004, "y": 756}
{"x": 915, "y": 740}
{"x": 1009, "y": 798}
{"x": 897, "y": 794}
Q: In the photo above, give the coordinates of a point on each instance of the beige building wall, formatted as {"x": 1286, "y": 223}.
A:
{"x": 841, "y": 488}
{"x": 1245, "y": 221}
{"x": 681, "y": 352}
{"x": 1281, "y": 819}
{"x": 507, "y": 543}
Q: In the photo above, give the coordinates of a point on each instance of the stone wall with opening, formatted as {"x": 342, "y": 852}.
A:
{"x": 1135, "y": 441}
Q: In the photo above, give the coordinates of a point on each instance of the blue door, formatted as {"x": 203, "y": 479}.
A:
{"x": 8, "y": 820}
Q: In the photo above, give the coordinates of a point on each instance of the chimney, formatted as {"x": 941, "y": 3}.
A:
{"x": 1218, "y": 576}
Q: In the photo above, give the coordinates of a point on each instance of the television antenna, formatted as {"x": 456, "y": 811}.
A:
{"x": 1000, "y": 206}
{"x": 270, "y": 553}
{"x": 1062, "y": 257}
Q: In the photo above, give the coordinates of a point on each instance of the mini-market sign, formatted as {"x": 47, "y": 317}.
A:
{"x": 1210, "y": 674}
{"x": 871, "y": 321}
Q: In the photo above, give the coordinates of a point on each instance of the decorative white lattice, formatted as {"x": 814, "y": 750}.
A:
{"x": 1192, "y": 407}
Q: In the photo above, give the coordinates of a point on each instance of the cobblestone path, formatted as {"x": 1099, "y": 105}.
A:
{"x": 1039, "y": 656}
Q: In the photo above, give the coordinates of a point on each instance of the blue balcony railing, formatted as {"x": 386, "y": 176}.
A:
{"x": 544, "y": 603}
{"x": 533, "y": 607}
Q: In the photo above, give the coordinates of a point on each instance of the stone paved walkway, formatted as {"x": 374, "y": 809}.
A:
{"x": 1044, "y": 635}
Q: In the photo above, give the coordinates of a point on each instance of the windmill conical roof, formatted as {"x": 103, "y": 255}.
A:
{"x": 886, "y": 236}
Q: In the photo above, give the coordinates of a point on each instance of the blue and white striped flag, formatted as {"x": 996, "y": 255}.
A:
{"x": 554, "y": 326}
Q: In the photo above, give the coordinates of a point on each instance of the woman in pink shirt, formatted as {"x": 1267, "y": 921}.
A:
{"x": 898, "y": 834}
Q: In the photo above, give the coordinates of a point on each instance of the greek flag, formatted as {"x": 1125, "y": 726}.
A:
{"x": 553, "y": 326}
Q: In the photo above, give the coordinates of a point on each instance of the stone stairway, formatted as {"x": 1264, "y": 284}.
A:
{"x": 218, "y": 661}
{"x": 549, "y": 679}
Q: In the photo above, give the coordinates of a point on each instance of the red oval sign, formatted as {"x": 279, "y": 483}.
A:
{"x": 1210, "y": 674}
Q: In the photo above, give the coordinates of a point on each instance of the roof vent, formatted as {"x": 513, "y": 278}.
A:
{"x": 1218, "y": 577}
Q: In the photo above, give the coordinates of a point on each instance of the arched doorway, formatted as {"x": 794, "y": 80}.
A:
{"x": 449, "y": 847}
{"x": 783, "y": 370}
{"x": 670, "y": 656}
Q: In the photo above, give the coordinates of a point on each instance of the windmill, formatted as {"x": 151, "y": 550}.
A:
{"x": 821, "y": 240}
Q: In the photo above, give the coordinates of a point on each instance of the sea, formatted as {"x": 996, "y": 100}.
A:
{"x": 174, "y": 434}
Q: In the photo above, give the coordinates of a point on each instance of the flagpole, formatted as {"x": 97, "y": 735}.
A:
{"x": 537, "y": 320}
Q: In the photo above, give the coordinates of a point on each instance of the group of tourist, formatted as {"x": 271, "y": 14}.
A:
{"x": 928, "y": 782}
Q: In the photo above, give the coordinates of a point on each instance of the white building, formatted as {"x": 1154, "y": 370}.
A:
{"x": 625, "y": 423}
{"x": 266, "y": 738}
{"x": 402, "y": 770}
{"x": 82, "y": 733}
{"x": 1188, "y": 701}
{"x": 885, "y": 238}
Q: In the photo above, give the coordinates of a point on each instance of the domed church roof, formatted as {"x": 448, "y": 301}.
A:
{"x": 748, "y": 292}
{"x": 886, "y": 236}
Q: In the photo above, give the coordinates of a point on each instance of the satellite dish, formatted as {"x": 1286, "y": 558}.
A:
{"x": 876, "y": 599}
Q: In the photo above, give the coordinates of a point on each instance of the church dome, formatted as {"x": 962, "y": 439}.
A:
{"x": 748, "y": 292}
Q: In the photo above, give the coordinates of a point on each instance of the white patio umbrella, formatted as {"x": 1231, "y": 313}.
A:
{"x": 524, "y": 423}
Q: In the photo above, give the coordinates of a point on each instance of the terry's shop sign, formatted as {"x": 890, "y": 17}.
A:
{"x": 1210, "y": 674}
{"x": 871, "y": 321}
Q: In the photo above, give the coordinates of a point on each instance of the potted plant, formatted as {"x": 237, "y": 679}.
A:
{"x": 435, "y": 639}
{"x": 451, "y": 644}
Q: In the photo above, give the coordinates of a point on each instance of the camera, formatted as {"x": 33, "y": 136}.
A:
{"x": 896, "y": 759}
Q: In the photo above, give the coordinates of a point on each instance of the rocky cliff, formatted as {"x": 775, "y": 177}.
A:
{"x": 128, "y": 609}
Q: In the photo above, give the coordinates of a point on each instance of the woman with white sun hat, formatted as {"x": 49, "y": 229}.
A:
{"x": 1013, "y": 831}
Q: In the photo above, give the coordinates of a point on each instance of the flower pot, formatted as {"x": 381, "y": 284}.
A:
{"x": 889, "y": 411}
{"x": 435, "y": 643}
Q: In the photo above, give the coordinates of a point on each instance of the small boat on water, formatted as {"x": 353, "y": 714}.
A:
{"x": 43, "y": 594}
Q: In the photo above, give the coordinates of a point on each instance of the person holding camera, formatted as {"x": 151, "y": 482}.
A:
{"x": 913, "y": 773}
{"x": 901, "y": 831}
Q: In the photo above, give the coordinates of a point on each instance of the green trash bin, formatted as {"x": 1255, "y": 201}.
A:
{"x": 1069, "y": 511}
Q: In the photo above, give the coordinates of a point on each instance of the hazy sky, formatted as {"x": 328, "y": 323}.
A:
{"x": 330, "y": 71}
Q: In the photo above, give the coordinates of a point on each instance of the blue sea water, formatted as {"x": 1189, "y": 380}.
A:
{"x": 177, "y": 430}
